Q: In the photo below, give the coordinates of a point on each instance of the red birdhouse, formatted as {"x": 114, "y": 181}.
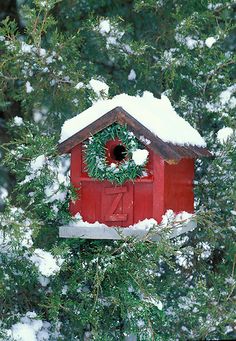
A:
{"x": 132, "y": 158}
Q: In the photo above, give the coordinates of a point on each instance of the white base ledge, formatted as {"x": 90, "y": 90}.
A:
{"x": 105, "y": 232}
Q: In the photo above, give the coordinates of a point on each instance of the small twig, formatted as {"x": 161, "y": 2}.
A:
{"x": 232, "y": 275}
{"x": 234, "y": 263}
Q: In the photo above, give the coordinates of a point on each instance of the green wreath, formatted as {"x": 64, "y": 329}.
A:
{"x": 96, "y": 161}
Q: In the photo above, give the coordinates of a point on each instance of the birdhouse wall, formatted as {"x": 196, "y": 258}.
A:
{"x": 178, "y": 186}
{"x": 118, "y": 205}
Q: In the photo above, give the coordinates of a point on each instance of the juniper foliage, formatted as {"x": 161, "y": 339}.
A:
{"x": 108, "y": 290}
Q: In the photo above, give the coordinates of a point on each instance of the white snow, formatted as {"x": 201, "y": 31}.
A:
{"x": 183, "y": 259}
{"x": 183, "y": 216}
{"x": 5, "y": 240}
{"x": 210, "y": 41}
{"x": 40, "y": 114}
{"x": 112, "y": 34}
{"x": 37, "y": 163}
{"x": 31, "y": 328}
{"x": 56, "y": 190}
{"x": 224, "y": 134}
{"x": 26, "y": 237}
{"x": 49, "y": 60}
{"x": 28, "y": 87}
{"x": 154, "y": 301}
{"x": 8, "y": 238}
{"x": 79, "y": 222}
{"x": 35, "y": 166}
{"x": 53, "y": 191}
{"x": 26, "y": 48}
{"x": 228, "y": 329}
{"x": 44, "y": 281}
{"x": 157, "y": 115}
{"x": 37, "y": 116}
{"x": 3, "y": 193}
{"x": 145, "y": 224}
{"x": 206, "y": 250}
{"x": 191, "y": 43}
{"x": 43, "y": 3}
{"x": 226, "y": 99}
{"x": 127, "y": 48}
{"x": 99, "y": 87}
{"x": 79, "y": 85}
{"x": 168, "y": 219}
{"x": 225, "y": 96}
{"x": 214, "y": 6}
{"x": 140, "y": 156}
{"x": 144, "y": 140}
{"x": 104, "y": 27}
{"x": 18, "y": 121}
{"x": 46, "y": 263}
{"x": 132, "y": 75}
{"x": 42, "y": 52}
{"x": 23, "y": 332}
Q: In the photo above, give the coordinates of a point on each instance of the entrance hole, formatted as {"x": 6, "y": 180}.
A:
{"x": 119, "y": 152}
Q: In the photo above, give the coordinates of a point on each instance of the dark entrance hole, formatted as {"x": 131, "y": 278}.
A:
{"x": 119, "y": 152}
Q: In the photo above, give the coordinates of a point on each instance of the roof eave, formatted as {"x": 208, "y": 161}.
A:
{"x": 168, "y": 151}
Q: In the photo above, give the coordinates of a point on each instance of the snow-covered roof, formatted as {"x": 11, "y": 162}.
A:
{"x": 157, "y": 115}
{"x": 153, "y": 121}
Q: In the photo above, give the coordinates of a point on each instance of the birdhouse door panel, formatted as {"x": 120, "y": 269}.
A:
{"x": 143, "y": 201}
{"x": 117, "y": 205}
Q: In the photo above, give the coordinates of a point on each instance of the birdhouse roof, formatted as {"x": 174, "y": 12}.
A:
{"x": 153, "y": 121}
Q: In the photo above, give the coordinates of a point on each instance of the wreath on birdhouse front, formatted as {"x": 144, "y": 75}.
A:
{"x": 125, "y": 160}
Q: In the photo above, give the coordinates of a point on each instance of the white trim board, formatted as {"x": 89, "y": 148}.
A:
{"x": 115, "y": 233}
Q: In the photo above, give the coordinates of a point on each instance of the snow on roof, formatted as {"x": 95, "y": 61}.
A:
{"x": 157, "y": 115}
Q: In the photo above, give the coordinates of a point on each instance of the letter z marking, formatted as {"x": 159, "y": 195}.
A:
{"x": 118, "y": 193}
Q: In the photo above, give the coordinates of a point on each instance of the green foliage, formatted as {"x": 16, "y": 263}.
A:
{"x": 107, "y": 290}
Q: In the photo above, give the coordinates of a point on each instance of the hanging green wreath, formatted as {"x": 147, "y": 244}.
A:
{"x": 126, "y": 167}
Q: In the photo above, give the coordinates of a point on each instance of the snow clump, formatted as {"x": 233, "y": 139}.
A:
{"x": 157, "y": 303}
{"x": 224, "y": 134}
{"x": 112, "y": 35}
{"x": 3, "y": 193}
{"x": 189, "y": 41}
{"x": 210, "y": 41}
{"x": 37, "y": 163}
{"x": 26, "y": 48}
{"x": 132, "y": 75}
{"x": 100, "y": 88}
{"x": 31, "y": 328}
{"x": 46, "y": 263}
{"x": 139, "y": 156}
{"x": 28, "y": 87}
{"x": 104, "y": 27}
{"x": 79, "y": 85}
{"x": 146, "y": 224}
{"x": 18, "y": 121}
{"x": 170, "y": 217}
{"x": 227, "y": 98}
